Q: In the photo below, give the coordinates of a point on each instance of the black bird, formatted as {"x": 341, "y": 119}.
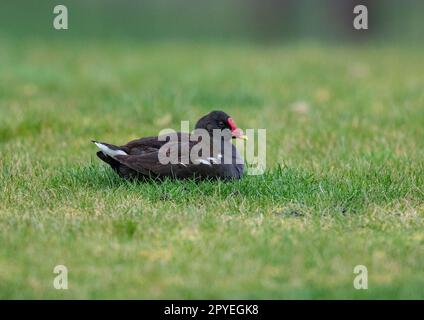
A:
{"x": 219, "y": 158}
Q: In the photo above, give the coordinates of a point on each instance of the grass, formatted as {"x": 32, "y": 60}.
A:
{"x": 344, "y": 184}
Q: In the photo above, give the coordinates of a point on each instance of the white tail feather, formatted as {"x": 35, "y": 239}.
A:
{"x": 108, "y": 151}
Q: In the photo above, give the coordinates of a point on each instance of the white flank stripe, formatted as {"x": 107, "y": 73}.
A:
{"x": 213, "y": 160}
{"x": 203, "y": 162}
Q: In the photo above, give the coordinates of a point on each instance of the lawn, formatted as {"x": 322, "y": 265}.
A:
{"x": 344, "y": 184}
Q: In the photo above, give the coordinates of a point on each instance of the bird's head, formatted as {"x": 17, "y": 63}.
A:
{"x": 219, "y": 120}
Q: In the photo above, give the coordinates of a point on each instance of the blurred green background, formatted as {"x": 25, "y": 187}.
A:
{"x": 230, "y": 20}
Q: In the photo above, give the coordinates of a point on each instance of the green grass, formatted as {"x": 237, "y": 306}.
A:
{"x": 344, "y": 184}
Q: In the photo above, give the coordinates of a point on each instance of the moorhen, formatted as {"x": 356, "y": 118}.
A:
{"x": 218, "y": 158}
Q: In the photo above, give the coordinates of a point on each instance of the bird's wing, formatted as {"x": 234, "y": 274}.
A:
{"x": 183, "y": 166}
{"x": 151, "y": 144}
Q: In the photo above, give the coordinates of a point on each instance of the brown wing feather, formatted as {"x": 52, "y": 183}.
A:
{"x": 149, "y": 164}
{"x": 149, "y": 144}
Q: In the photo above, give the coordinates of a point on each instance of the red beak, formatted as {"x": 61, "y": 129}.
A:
{"x": 236, "y": 132}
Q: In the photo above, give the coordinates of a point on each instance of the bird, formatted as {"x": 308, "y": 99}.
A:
{"x": 206, "y": 153}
